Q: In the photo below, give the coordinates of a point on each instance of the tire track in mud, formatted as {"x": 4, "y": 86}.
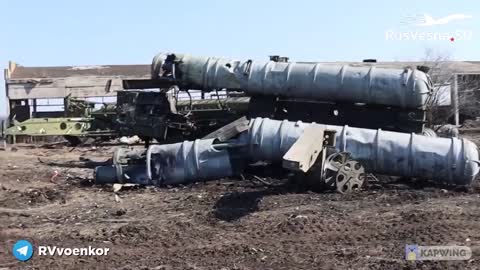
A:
{"x": 235, "y": 225}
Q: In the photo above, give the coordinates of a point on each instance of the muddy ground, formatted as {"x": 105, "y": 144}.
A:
{"x": 224, "y": 224}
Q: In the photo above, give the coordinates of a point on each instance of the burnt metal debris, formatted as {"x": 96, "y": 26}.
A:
{"x": 147, "y": 114}
{"x": 164, "y": 117}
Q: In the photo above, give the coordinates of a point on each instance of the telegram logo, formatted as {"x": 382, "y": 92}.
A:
{"x": 22, "y": 250}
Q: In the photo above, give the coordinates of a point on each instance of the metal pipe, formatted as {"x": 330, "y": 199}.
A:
{"x": 452, "y": 160}
{"x": 121, "y": 174}
{"x": 404, "y": 88}
{"x": 171, "y": 164}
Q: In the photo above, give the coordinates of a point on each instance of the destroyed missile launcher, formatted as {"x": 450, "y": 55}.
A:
{"x": 142, "y": 113}
{"x": 335, "y": 156}
{"x": 322, "y": 155}
{"x": 162, "y": 116}
{"x": 357, "y": 95}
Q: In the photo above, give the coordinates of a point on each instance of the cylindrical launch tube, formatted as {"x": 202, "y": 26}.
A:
{"x": 451, "y": 160}
{"x": 404, "y": 88}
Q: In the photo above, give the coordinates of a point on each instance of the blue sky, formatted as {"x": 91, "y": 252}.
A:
{"x": 87, "y": 32}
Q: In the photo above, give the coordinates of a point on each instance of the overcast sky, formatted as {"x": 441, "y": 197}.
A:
{"x": 87, "y": 32}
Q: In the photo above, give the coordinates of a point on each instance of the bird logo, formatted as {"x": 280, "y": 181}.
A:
{"x": 427, "y": 20}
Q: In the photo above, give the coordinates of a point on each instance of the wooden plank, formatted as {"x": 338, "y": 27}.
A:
{"x": 79, "y": 86}
{"x": 11, "y": 66}
{"x": 148, "y": 83}
{"x": 32, "y": 82}
{"x": 52, "y": 92}
{"x": 229, "y": 131}
{"x": 29, "y": 92}
{"x": 8, "y": 71}
{"x": 91, "y": 81}
{"x": 98, "y": 91}
{"x": 304, "y": 152}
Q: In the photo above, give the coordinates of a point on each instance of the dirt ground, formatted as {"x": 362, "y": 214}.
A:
{"x": 224, "y": 224}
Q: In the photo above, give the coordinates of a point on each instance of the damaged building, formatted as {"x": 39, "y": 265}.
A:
{"x": 36, "y": 92}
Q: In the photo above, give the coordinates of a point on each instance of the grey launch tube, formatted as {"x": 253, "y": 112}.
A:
{"x": 187, "y": 162}
{"x": 404, "y": 88}
{"x": 451, "y": 160}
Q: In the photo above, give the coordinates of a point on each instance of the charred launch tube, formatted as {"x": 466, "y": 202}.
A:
{"x": 452, "y": 160}
{"x": 448, "y": 160}
{"x": 171, "y": 164}
{"x": 403, "y": 88}
{"x": 185, "y": 162}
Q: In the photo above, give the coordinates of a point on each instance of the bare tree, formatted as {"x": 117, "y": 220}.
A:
{"x": 441, "y": 74}
{"x": 468, "y": 95}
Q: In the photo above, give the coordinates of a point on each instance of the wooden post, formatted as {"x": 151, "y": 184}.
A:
{"x": 454, "y": 99}
{"x": 11, "y": 67}
{"x": 34, "y": 114}
{"x": 7, "y": 74}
